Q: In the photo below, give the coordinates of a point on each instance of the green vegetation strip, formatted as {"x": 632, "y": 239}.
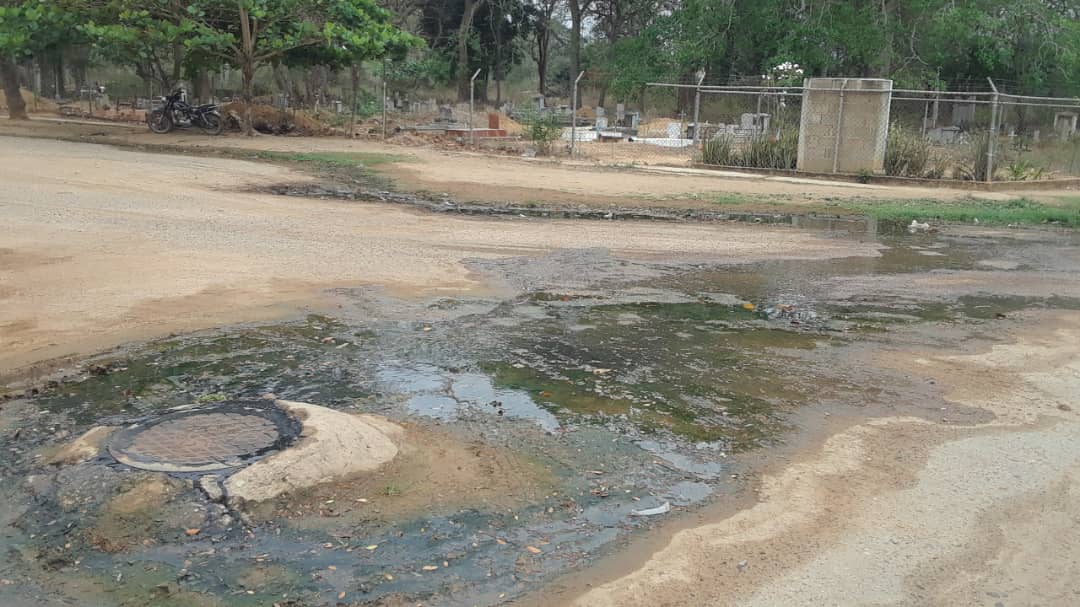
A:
{"x": 1016, "y": 211}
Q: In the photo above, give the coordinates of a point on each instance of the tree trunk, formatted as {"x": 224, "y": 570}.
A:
{"x": 603, "y": 95}
{"x": 61, "y": 89}
{"x": 886, "y": 55}
{"x": 464, "y": 73}
{"x": 543, "y": 40}
{"x": 247, "y": 67}
{"x": 9, "y": 74}
{"x": 577, "y": 15}
{"x": 355, "y": 72}
{"x": 200, "y": 82}
{"x": 178, "y": 63}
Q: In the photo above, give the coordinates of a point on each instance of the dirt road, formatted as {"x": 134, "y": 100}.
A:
{"x": 974, "y": 501}
{"x": 103, "y": 246}
{"x": 485, "y": 178}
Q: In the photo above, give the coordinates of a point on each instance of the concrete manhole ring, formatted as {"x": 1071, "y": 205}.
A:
{"x": 200, "y": 440}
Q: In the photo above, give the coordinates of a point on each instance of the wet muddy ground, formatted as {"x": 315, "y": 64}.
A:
{"x": 547, "y": 428}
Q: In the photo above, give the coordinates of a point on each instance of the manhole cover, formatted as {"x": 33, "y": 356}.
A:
{"x": 202, "y": 440}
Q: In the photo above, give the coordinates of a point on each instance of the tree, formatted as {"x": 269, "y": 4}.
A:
{"x": 252, "y": 33}
{"x": 28, "y": 27}
{"x": 154, "y": 46}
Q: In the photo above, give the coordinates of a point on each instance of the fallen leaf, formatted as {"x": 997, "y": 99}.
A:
{"x": 193, "y": 531}
{"x": 341, "y": 595}
{"x": 371, "y": 547}
{"x": 332, "y": 568}
{"x": 500, "y": 541}
{"x": 388, "y": 576}
{"x": 533, "y": 549}
{"x": 545, "y": 394}
{"x": 601, "y": 371}
{"x": 749, "y": 307}
{"x": 430, "y": 567}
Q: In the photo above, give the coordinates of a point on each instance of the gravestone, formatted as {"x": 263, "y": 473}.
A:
{"x": 1065, "y": 124}
{"x": 963, "y": 113}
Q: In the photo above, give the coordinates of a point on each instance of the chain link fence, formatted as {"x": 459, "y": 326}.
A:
{"x": 978, "y": 134}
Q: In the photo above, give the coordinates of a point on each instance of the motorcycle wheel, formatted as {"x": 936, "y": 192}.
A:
{"x": 212, "y": 123}
{"x": 160, "y": 122}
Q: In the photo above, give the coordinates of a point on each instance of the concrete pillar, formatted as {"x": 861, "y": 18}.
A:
{"x": 844, "y": 125}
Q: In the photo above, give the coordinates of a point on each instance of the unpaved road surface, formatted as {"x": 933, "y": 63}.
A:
{"x": 902, "y": 511}
{"x": 485, "y": 178}
{"x": 102, "y": 246}
{"x": 958, "y": 485}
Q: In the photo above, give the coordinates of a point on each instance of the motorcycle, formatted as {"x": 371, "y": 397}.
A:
{"x": 177, "y": 113}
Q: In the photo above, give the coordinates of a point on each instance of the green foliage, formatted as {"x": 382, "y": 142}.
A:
{"x": 1033, "y": 45}
{"x": 543, "y": 130}
{"x": 297, "y": 32}
{"x": 29, "y": 27}
{"x": 720, "y": 150}
{"x": 1023, "y": 169}
{"x": 760, "y": 151}
{"x": 907, "y": 153}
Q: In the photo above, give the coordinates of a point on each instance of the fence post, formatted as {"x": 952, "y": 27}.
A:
{"x": 993, "y": 133}
{"x": 573, "y": 115}
{"x": 697, "y": 107}
{"x": 383, "y": 100}
{"x": 472, "y": 103}
{"x": 839, "y": 126}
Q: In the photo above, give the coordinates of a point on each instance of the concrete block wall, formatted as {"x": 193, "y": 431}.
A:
{"x": 863, "y": 124}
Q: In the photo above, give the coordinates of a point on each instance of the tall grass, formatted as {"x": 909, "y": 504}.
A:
{"x": 759, "y": 151}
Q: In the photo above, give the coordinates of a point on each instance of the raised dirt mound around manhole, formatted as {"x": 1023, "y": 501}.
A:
{"x": 227, "y": 436}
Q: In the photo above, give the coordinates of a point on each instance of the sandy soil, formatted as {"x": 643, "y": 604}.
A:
{"x": 477, "y": 177}
{"x": 103, "y": 246}
{"x": 903, "y": 511}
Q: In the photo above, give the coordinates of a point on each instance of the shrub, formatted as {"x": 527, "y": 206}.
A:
{"x": 973, "y": 165}
{"x": 1023, "y": 169}
{"x": 543, "y": 129}
{"x": 719, "y": 150}
{"x": 759, "y": 151}
{"x": 907, "y": 153}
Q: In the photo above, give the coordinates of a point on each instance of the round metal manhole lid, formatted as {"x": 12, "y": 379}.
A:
{"x": 200, "y": 441}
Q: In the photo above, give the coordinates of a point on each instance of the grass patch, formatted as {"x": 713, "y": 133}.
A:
{"x": 1016, "y": 211}
{"x": 336, "y": 159}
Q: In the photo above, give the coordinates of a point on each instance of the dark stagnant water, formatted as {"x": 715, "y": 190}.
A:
{"x": 631, "y": 385}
